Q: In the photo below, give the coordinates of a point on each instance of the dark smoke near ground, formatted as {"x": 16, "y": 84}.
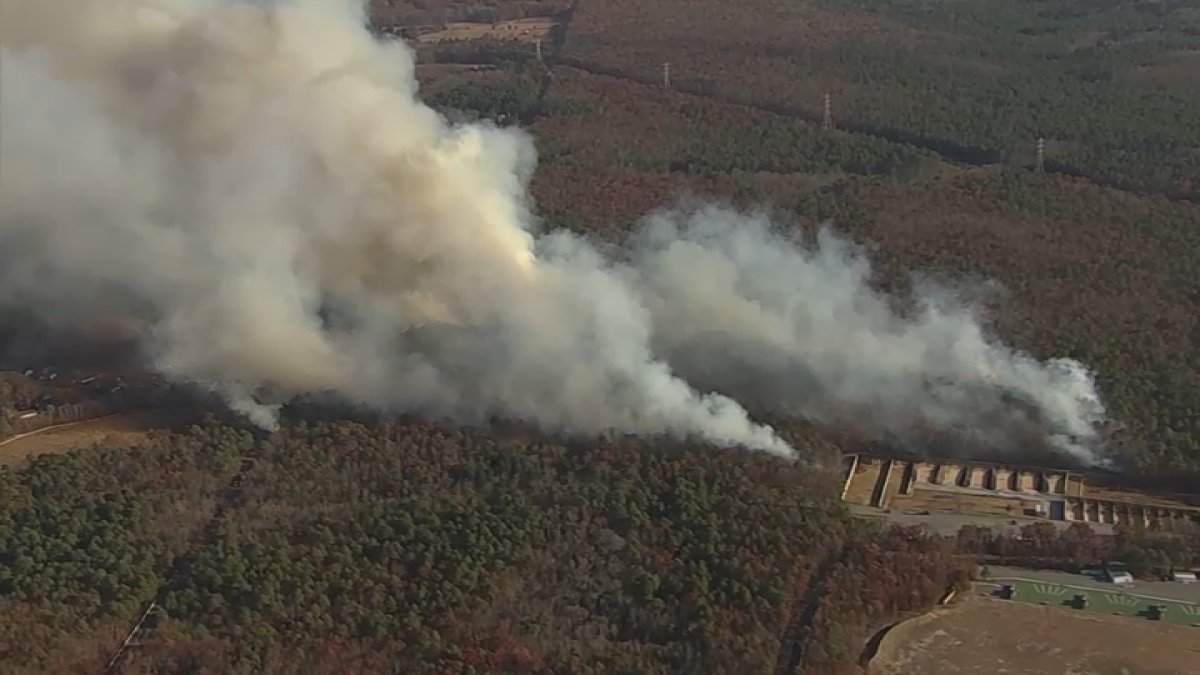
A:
{"x": 258, "y": 189}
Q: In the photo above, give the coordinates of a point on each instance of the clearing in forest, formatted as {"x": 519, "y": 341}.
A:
{"x": 126, "y": 429}
{"x": 521, "y": 30}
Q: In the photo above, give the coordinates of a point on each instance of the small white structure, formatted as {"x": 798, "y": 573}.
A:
{"x": 1120, "y": 577}
{"x": 1184, "y": 577}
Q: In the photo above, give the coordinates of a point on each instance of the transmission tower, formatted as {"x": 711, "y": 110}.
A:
{"x": 1040, "y": 162}
{"x": 666, "y": 75}
{"x": 827, "y": 117}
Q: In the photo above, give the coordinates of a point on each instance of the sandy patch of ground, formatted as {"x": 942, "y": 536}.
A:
{"x": 122, "y": 430}
{"x": 985, "y": 636}
{"x": 1097, "y": 492}
{"x": 522, "y": 30}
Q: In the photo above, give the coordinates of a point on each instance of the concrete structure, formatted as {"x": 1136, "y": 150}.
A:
{"x": 851, "y": 464}
{"x": 1000, "y": 490}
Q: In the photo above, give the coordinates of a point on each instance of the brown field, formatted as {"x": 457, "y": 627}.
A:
{"x": 1180, "y": 71}
{"x": 85, "y": 650}
{"x": 521, "y": 30}
{"x": 1094, "y": 492}
{"x": 862, "y": 485}
{"x": 124, "y": 430}
{"x": 984, "y": 636}
{"x": 431, "y": 71}
{"x": 959, "y": 502}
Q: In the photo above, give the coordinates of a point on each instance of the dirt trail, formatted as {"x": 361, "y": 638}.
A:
{"x": 48, "y": 429}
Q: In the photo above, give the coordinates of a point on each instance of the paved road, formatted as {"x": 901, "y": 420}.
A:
{"x": 1168, "y": 590}
{"x": 949, "y": 523}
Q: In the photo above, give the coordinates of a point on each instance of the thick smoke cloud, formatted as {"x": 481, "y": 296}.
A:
{"x": 258, "y": 185}
{"x": 790, "y": 328}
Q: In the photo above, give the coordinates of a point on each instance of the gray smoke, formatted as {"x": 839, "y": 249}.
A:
{"x": 258, "y": 185}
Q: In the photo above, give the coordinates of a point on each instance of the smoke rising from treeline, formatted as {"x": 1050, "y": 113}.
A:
{"x": 259, "y": 186}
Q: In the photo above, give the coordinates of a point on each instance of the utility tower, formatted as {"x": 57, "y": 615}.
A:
{"x": 666, "y": 75}
{"x": 1040, "y": 162}
{"x": 827, "y": 117}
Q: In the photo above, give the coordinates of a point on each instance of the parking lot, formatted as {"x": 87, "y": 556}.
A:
{"x": 1182, "y": 601}
{"x": 949, "y": 523}
{"x": 1169, "y": 590}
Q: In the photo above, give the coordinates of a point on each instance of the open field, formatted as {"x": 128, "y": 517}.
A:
{"x": 960, "y": 502}
{"x": 862, "y": 485}
{"x": 1184, "y": 502}
{"x": 433, "y": 71}
{"x": 992, "y": 637}
{"x": 123, "y": 429}
{"x": 521, "y": 30}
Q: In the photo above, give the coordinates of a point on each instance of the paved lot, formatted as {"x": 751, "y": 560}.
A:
{"x": 1159, "y": 589}
{"x": 949, "y": 523}
{"x": 1059, "y": 589}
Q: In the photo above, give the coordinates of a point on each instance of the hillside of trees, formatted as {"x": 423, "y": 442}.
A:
{"x": 390, "y": 547}
{"x": 382, "y": 546}
{"x": 86, "y": 538}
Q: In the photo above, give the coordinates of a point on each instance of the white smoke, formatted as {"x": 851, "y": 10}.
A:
{"x": 798, "y": 329}
{"x": 258, "y": 183}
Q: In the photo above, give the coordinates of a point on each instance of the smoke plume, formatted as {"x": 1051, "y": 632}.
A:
{"x": 259, "y": 185}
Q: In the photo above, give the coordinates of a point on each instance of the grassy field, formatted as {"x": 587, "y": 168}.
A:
{"x": 987, "y": 637}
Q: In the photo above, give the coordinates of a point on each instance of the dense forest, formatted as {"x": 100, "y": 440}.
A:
{"x": 978, "y": 82}
{"x": 391, "y": 547}
{"x": 382, "y": 546}
{"x": 86, "y": 538}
